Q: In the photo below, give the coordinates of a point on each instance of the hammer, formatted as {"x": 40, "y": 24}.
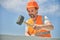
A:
{"x": 20, "y": 20}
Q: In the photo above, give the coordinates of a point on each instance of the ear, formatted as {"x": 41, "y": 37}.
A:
{"x": 36, "y": 11}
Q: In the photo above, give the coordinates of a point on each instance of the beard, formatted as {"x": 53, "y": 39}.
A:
{"x": 32, "y": 15}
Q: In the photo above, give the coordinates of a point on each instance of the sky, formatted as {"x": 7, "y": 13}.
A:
{"x": 11, "y": 9}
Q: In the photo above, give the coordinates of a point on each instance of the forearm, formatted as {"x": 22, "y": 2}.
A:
{"x": 48, "y": 27}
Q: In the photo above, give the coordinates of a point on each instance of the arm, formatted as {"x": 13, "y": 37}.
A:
{"x": 48, "y": 25}
{"x": 28, "y": 32}
{"x": 26, "y": 29}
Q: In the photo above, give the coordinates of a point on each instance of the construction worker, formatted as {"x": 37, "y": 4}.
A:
{"x": 42, "y": 26}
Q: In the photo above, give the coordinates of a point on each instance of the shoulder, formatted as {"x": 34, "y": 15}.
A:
{"x": 42, "y": 16}
{"x": 29, "y": 19}
{"x": 39, "y": 15}
{"x": 45, "y": 17}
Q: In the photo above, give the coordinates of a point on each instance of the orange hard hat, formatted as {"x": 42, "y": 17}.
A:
{"x": 32, "y": 4}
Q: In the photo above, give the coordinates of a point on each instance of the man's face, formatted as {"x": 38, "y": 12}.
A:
{"x": 32, "y": 12}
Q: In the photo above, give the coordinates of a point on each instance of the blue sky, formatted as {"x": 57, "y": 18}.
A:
{"x": 11, "y": 9}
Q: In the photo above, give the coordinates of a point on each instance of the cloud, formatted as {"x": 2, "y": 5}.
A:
{"x": 41, "y": 1}
{"x": 50, "y": 9}
{"x": 16, "y": 5}
{"x": 19, "y": 6}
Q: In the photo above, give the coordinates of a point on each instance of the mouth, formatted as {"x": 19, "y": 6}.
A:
{"x": 32, "y": 15}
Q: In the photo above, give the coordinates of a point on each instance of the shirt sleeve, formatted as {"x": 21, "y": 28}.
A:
{"x": 46, "y": 21}
{"x": 26, "y": 28}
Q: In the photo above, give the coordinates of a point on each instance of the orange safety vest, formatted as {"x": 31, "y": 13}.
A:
{"x": 39, "y": 21}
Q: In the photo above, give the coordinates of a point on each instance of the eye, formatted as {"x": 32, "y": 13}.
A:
{"x": 28, "y": 11}
{"x": 31, "y": 10}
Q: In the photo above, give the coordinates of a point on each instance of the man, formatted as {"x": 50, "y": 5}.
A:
{"x": 39, "y": 28}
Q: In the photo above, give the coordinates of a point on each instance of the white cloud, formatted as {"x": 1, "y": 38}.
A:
{"x": 50, "y": 9}
{"x": 19, "y": 6}
{"x": 15, "y": 5}
{"x": 53, "y": 8}
{"x": 41, "y": 1}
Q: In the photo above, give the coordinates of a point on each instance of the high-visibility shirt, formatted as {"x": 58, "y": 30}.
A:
{"x": 39, "y": 21}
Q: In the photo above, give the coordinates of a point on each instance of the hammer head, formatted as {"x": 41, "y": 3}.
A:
{"x": 20, "y": 20}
